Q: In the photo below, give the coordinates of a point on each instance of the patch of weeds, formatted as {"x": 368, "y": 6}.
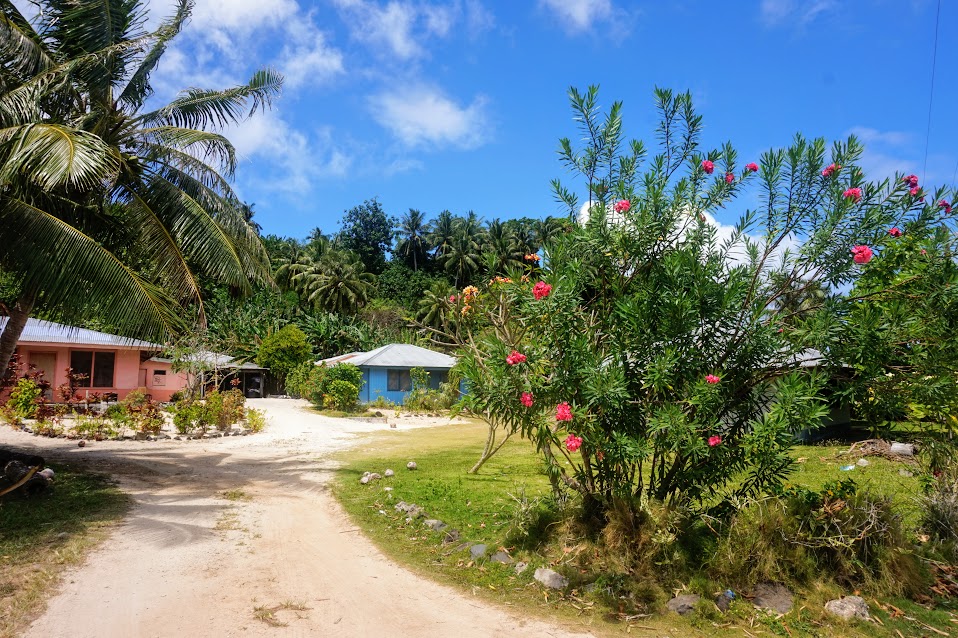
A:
{"x": 228, "y": 521}
{"x": 236, "y": 495}
{"x": 268, "y": 614}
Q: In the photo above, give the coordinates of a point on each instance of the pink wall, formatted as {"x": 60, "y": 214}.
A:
{"x": 128, "y": 373}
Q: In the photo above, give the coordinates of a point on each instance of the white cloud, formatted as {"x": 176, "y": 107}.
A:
{"x": 423, "y": 115}
{"x": 307, "y": 58}
{"x": 874, "y": 136}
{"x": 295, "y": 160}
{"x": 779, "y": 12}
{"x": 579, "y": 15}
{"x": 886, "y": 152}
{"x": 402, "y": 28}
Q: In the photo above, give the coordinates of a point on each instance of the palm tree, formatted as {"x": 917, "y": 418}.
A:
{"x": 337, "y": 283}
{"x": 462, "y": 258}
{"x": 435, "y": 309}
{"x": 441, "y": 232}
{"x": 79, "y": 156}
{"x": 501, "y": 250}
{"x": 411, "y": 238}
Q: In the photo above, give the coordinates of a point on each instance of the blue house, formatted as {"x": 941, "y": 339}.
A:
{"x": 386, "y": 370}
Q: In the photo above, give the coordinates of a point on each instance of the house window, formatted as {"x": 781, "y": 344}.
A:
{"x": 398, "y": 381}
{"x": 96, "y": 366}
{"x": 159, "y": 377}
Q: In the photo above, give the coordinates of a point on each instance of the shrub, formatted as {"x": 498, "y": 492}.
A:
{"x": 342, "y": 395}
{"x": 25, "y": 398}
{"x": 284, "y": 350}
{"x": 298, "y": 381}
{"x": 139, "y": 412}
{"x": 186, "y": 415}
{"x": 255, "y": 420}
{"x": 234, "y": 409}
{"x": 321, "y": 378}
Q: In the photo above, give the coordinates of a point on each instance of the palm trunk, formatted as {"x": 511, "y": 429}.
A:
{"x": 17, "y": 321}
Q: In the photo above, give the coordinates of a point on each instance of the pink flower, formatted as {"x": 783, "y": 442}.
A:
{"x": 944, "y": 204}
{"x": 563, "y": 412}
{"x": 515, "y": 357}
{"x": 711, "y": 378}
{"x": 894, "y": 232}
{"x": 452, "y": 298}
{"x": 715, "y": 440}
{"x": 729, "y": 178}
{"x": 526, "y": 399}
{"x": 622, "y": 205}
{"x": 914, "y": 191}
{"x": 853, "y": 193}
{"x": 751, "y": 166}
{"x": 708, "y": 166}
{"x": 911, "y": 180}
{"x": 924, "y": 252}
{"x": 830, "y": 170}
{"x": 573, "y": 442}
{"x": 541, "y": 290}
{"x": 862, "y": 254}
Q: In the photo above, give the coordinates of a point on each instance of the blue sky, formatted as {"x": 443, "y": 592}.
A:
{"x": 459, "y": 104}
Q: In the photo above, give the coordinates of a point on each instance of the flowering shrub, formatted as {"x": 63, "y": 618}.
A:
{"x": 667, "y": 339}
{"x": 25, "y": 398}
{"x": 541, "y": 290}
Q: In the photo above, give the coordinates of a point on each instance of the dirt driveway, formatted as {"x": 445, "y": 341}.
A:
{"x": 188, "y": 561}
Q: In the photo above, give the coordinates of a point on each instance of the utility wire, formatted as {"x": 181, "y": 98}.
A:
{"x": 931, "y": 97}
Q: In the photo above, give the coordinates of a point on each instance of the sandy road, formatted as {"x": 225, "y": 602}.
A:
{"x": 188, "y": 562}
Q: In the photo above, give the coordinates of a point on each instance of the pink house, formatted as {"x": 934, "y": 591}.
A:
{"x": 112, "y": 364}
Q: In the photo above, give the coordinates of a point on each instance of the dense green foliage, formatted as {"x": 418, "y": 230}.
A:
{"x": 652, "y": 357}
{"x": 283, "y": 350}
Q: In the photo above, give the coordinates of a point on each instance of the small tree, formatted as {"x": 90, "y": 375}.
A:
{"x": 283, "y": 350}
{"x": 652, "y": 357}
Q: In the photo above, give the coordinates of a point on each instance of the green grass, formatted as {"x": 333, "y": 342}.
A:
{"x": 481, "y": 508}
{"x": 42, "y": 535}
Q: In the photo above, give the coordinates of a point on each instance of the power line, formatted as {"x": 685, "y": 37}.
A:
{"x": 931, "y": 96}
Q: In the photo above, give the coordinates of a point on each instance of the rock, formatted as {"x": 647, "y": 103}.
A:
{"x": 905, "y": 473}
{"x": 588, "y": 589}
{"x": 364, "y": 479}
{"x": 452, "y": 536}
{"x": 477, "y": 551}
{"x": 47, "y": 473}
{"x": 151, "y": 438}
{"x": 723, "y": 600}
{"x": 434, "y": 524}
{"x": 411, "y": 465}
{"x": 388, "y": 473}
{"x": 413, "y": 510}
{"x": 375, "y": 477}
{"x": 521, "y": 566}
{"x": 501, "y": 557}
{"x": 902, "y": 449}
{"x": 551, "y": 579}
{"x": 684, "y": 604}
{"x": 377, "y": 413}
{"x": 862, "y": 462}
{"x": 393, "y": 426}
{"x": 848, "y": 608}
{"x": 772, "y": 597}
{"x": 81, "y": 443}
{"x": 387, "y": 489}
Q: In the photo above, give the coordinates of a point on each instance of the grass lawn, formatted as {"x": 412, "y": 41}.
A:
{"x": 42, "y": 535}
{"x": 483, "y": 508}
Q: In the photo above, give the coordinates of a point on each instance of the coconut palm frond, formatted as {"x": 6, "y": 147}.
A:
{"x": 21, "y": 49}
{"x": 203, "y": 145}
{"x": 138, "y": 89}
{"x": 72, "y": 269}
{"x": 178, "y": 166}
{"x": 53, "y": 156}
{"x": 202, "y": 108}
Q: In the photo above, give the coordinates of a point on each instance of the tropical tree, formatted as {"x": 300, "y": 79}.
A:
{"x": 337, "y": 283}
{"x": 80, "y": 157}
{"x": 502, "y": 250}
{"x": 411, "y": 243}
{"x": 462, "y": 258}
{"x": 368, "y": 232}
{"x": 441, "y": 232}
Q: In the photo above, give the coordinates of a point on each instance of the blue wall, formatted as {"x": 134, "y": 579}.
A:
{"x": 375, "y": 384}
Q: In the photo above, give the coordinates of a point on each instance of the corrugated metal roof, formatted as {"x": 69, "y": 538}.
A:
{"x": 395, "y": 355}
{"x": 38, "y": 331}
{"x": 214, "y": 360}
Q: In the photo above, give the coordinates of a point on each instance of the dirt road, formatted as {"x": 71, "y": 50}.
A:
{"x": 188, "y": 561}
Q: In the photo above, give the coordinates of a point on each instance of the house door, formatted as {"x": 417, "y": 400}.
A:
{"x": 47, "y": 363}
